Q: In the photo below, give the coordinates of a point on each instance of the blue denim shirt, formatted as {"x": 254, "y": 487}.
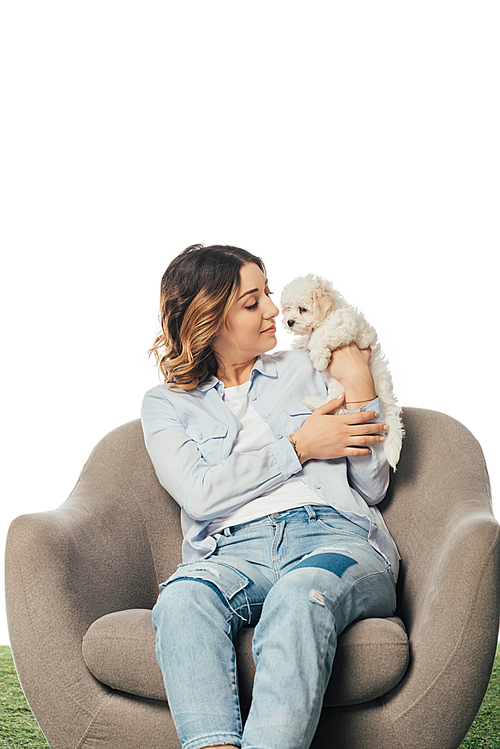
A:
{"x": 189, "y": 436}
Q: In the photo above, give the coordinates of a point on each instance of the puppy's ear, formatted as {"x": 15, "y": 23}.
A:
{"x": 324, "y": 301}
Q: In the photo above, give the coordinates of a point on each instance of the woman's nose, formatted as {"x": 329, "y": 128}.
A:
{"x": 273, "y": 309}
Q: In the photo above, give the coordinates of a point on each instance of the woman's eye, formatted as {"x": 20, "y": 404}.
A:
{"x": 256, "y": 304}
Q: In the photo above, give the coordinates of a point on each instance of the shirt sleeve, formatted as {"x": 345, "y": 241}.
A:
{"x": 207, "y": 491}
{"x": 370, "y": 474}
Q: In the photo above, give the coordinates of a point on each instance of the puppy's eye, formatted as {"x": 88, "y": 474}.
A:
{"x": 302, "y": 309}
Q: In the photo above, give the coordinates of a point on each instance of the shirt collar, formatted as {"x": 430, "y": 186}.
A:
{"x": 207, "y": 384}
{"x": 265, "y": 365}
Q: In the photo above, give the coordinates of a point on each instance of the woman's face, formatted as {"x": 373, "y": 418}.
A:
{"x": 250, "y": 328}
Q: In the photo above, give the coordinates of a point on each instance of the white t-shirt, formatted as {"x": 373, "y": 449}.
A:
{"x": 253, "y": 435}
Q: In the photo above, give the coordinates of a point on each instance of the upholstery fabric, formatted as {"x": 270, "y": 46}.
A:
{"x": 108, "y": 547}
{"x": 372, "y": 657}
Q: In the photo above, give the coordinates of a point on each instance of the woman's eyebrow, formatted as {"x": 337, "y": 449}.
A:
{"x": 252, "y": 291}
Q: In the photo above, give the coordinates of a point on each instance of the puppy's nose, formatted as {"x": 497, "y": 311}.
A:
{"x": 291, "y": 323}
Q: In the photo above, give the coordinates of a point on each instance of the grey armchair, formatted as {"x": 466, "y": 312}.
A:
{"x": 81, "y": 582}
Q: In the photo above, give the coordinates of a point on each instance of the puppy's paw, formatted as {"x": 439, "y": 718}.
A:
{"x": 300, "y": 341}
{"x": 313, "y": 402}
{"x": 321, "y": 358}
{"x": 335, "y": 389}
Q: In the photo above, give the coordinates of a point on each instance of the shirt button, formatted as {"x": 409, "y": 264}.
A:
{"x": 253, "y": 397}
{"x": 279, "y": 436}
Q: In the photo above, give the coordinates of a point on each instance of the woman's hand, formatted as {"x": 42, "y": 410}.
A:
{"x": 351, "y": 366}
{"x": 324, "y": 436}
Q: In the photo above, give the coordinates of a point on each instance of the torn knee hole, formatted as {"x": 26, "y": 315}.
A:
{"x": 316, "y": 597}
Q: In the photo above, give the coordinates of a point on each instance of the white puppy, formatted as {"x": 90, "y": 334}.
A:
{"x": 324, "y": 321}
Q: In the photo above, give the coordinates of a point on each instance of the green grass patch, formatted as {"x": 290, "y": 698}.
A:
{"x": 484, "y": 733}
{"x": 19, "y": 729}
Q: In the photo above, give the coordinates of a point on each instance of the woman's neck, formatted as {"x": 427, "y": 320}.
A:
{"x": 233, "y": 375}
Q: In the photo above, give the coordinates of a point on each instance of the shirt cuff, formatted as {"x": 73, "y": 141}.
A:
{"x": 374, "y": 405}
{"x": 286, "y": 457}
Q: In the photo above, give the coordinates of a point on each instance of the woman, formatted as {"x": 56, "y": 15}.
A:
{"x": 278, "y": 511}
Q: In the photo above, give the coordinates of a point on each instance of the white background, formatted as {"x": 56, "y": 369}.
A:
{"x": 357, "y": 140}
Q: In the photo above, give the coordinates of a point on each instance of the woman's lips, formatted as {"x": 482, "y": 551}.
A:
{"x": 272, "y": 329}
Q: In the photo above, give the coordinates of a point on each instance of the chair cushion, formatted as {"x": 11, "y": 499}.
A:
{"x": 372, "y": 658}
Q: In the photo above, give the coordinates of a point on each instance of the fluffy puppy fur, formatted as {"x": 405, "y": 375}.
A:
{"x": 323, "y": 322}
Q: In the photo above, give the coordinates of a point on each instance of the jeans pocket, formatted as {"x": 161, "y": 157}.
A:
{"x": 225, "y": 578}
{"x": 343, "y": 527}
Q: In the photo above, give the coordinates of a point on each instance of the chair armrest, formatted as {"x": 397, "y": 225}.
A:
{"x": 82, "y": 564}
{"x": 64, "y": 570}
{"x": 105, "y": 549}
{"x": 439, "y": 512}
{"x": 453, "y": 637}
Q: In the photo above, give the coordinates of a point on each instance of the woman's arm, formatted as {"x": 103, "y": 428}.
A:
{"x": 324, "y": 436}
{"x": 209, "y": 491}
{"x": 356, "y": 436}
{"x": 368, "y": 474}
{"x": 351, "y": 366}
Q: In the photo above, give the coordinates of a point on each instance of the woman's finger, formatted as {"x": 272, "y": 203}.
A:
{"x": 367, "y": 428}
{"x": 330, "y": 406}
{"x": 352, "y": 452}
{"x": 360, "y": 417}
{"x": 365, "y": 439}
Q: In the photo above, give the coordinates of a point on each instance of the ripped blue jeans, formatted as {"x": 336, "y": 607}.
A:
{"x": 300, "y": 578}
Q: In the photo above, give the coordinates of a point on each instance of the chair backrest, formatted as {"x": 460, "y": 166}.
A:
{"x": 440, "y": 459}
{"x": 107, "y": 548}
{"x": 441, "y": 483}
{"x": 118, "y": 477}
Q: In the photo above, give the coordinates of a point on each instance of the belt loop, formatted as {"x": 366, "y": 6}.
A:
{"x": 310, "y": 512}
{"x": 227, "y": 531}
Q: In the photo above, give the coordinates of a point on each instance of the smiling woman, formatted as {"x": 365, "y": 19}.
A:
{"x": 249, "y": 329}
{"x": 277, "y": 503}
{"x": 198, "y": 290}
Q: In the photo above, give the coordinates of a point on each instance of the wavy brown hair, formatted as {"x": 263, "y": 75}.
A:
{"x": 197, "y": 291}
